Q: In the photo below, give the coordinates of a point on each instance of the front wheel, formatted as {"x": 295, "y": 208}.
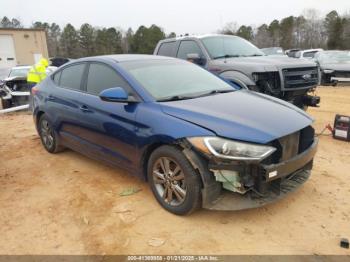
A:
{"x": 173, "y": 181}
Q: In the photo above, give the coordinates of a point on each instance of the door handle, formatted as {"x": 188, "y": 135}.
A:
{"x": 85, "y": 108}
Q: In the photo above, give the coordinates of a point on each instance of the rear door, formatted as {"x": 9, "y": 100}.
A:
{"x": 108, "y": 127}
{"x": 64, "y": 104}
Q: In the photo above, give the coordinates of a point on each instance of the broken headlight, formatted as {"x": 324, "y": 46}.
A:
{"x": 230, "y": 149}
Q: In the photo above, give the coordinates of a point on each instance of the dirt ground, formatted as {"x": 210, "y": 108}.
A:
{"x": 69, "y": 204}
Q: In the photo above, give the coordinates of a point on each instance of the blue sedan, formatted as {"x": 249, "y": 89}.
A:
{"x": 199, "y": 141}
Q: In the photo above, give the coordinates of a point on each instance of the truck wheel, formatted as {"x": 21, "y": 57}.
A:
{"x": 48, "y": 135}
{"x": 174, "y": 182}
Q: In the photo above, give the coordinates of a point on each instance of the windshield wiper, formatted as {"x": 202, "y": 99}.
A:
{"x": 174, "y": 98}
{"x": 256, "y": 55}
{"x": 213, "y": 92}
{"x": 180, "y": 97}
{"x": 225, "y": 56}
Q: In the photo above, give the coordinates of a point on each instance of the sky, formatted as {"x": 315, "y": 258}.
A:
{"x": 179, "y": 16}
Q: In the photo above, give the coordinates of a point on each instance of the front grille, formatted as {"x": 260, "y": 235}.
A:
{"x": 345, "y": 74}
{"x": 300, "y": 77}
{"x": 291, "y": 145}
{"x": 270, "y": 80}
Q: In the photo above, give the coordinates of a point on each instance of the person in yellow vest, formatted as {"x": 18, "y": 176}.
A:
{"x": 37, "y": 73}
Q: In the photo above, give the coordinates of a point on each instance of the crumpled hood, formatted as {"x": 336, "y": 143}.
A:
{"x": 241, "y": 115}
{"x": 261, "y": 63}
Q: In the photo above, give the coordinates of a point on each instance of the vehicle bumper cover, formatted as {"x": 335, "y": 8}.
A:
{"x": 293, "y": 174}
{"x": 229, "y": 201}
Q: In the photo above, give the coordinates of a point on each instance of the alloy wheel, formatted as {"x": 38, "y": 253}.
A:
{"x": 169, "y": 181}
{"x": 46, "y": 133}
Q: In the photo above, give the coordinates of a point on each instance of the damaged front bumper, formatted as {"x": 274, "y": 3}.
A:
{"x": 234, "y": 201}
{"x": 269, "y": 182}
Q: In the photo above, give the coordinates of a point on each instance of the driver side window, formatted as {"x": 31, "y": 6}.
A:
{"x": 102, "y": 77}
{"x": 188, "y": 47}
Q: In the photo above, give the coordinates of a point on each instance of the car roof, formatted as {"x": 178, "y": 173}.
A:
{"x": 195, "y": 37}
{"x": 124, "y": 58}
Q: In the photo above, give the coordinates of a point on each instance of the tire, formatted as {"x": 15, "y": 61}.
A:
{"x": 181, "y": 180}
{"x": 48, "y": 136}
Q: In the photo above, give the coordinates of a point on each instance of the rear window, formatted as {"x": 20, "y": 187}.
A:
{"x": 310, "y": 54}
{"x": 167, "y": 49}
{"x": 71, "y": 76}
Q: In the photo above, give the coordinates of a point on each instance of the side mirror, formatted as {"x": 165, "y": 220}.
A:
{"x": 116, "y": 94}
{"x": 195, "y": 58}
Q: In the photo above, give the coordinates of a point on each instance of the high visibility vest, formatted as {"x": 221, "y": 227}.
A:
{"x": 37, "y": 73}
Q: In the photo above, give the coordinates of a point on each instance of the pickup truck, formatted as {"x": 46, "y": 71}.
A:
{"x": 240, "y": 62}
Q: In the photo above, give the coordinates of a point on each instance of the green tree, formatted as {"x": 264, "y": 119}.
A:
{"x": 145, "y": 39}
{"x": 16, "y": 23}
{"x": 41, "y": 25}
{"x": 287, "y": 32}
{"x": 274, "y": 29}
{"x": 300, "y": 24}
{"x": 114, "y": 41}
{"x": 5, "y": 22}
{"x": 87, "y": 40}
{"x": 347, "y": 33}
{"x": 70, "y": 42}
{"x": 13, "y": 23}
{"x": 108, "y": 41}
{"x": 246, "y": 32}
{"x": 128, "y": 41}
{"x": 53, "y": 40}
{"x": 262, "y": 37}
{"x": 334, "y": 25}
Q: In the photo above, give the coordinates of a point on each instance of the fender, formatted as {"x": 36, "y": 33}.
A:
{"x": 238, "y": 76}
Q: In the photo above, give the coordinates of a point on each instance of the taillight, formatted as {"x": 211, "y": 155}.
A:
{"x": 35, "y": 90}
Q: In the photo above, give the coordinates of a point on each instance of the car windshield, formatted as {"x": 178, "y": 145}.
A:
{"x": 175, "y": 79}
{"x": 334, "y": 57}
{"x": 21, "y": 72}
{"x": 230, "y": 46}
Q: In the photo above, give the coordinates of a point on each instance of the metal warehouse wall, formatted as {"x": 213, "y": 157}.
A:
{"x": 28, "y": 44}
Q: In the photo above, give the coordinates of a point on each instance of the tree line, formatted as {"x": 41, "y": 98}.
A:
{"x": 89, "y": 40}
{"x": 308, "y": 30}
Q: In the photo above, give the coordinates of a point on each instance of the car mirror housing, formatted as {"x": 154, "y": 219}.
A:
{"x": 116, "y": 94}
{"x": 196, "y": 58}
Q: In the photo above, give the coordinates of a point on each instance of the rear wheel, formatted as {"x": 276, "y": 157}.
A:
{"x": 48, "y": 136}
{"x": 173, "y": 180}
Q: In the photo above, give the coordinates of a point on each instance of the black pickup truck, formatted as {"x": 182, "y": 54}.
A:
{"x": 239, "y": 61}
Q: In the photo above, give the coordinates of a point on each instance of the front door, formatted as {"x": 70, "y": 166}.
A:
{"x": 109, "y": 127}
